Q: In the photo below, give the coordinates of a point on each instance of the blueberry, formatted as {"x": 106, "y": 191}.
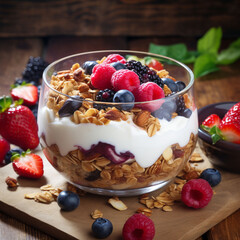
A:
{"x": 10, "y": 153}
{"x": 88, "y": 66}
{"x": 161, "y": 113}
{"x": 181, "y": 85}
{"x": 171, "y": 84}
{"x": 124, "y": 96}
{"x": 68, "y": 201}
{"x": 118, "y": 65}
{"x": 186, "y": 113}
{"x": 170, "y": 105}
{"x": 213, "y": 176}
{"x": 102, "y": 228}
{"x": 70, "y": 106}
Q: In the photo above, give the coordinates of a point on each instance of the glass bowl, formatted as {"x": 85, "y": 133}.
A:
{"x": 118, "y": 148}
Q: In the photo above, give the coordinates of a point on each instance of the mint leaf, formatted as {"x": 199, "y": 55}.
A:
{"x": 231, "y": 54}
{"x": 158, "y": 49}
{"x": 205, "y": 64}
{"x": 190, "y": 57}
{"x": 210, "y": 42}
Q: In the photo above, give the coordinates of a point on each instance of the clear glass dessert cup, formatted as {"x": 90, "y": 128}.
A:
{"x": 108, "y": 148}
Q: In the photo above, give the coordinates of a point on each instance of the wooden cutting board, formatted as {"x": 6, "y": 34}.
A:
{"x": 182, "y": 223}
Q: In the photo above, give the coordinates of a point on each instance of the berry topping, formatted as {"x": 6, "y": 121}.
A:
{"x": 138, "y": 227}
{"x": 68, "y": 201}
{"x": 18, "y": 124}
{"x": 230, "y": 125}
{"x": 34, "y": 69}
{"x": 166, "y": 110}
{"x": 212, "y": 120}
{"x": 105, "y": 95}
{"x": 70, "y": 106}
{"x": 4, "y": 148}
{"x": 27, "y": 164}
{"x": 88, "y": 66}
{"x": 147, "y": 92}
{"x": 102, "y": 228}
{"x": 180, "y": 104}
{"x": 101, "y": 76}
{"x": 171, "y": 84}
{"x": 181, "y": 85}
{"x": 213, "y": 176}
{"x": 186, "y": 113}
{"x": 125, "y": 79}
{"x": 196, "y": 193}
{"x": 28, "y": 92}
{"x": 118, "y": 65}
{"x": 114, "y": 58}
{"x": 155, "y": 64}
{"x": 145, "y": 74}
{"x": 10, "y": 153}
{"x": 124, "y": 96}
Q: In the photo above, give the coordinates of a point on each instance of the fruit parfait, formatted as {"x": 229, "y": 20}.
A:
{"x": 118, "y": 122}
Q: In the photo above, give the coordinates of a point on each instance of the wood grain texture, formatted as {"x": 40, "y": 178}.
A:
{"x": 223, "y": 229}
{"x": 119, "y": 17}
{"x": 14, "y": 56}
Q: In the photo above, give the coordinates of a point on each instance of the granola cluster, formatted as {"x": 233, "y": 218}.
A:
{"x": 98, "y": 171}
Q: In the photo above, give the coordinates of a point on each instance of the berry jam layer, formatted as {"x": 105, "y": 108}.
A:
{"x": 94, "y": 169}
{"x": 125, "y": 136}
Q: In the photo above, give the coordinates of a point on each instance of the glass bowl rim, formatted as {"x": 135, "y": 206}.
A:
{"x": 190, "y": 84}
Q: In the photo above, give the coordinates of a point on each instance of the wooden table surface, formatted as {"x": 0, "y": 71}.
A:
{"x": 216, "y": 87}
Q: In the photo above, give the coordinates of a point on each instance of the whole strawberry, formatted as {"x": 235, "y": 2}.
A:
{"x": 18, "y": 124}
{"x": 230, "y": 125}
{"x": 27, "y": 164}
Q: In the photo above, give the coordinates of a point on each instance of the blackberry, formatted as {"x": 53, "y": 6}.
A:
{"x": 105, "y": 95}
{"x": 139, "y": 69}
{"x": 34, "y": 69}
{"x": 144, "y": 72}
{"x": 180, "y": 104}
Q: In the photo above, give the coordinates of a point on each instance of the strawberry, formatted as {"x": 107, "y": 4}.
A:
{"x": 28, "y": 165}
{"x": 155, "y": 64}
{"x": 230, "y": 124}
{"x": 26, "y": 91}
{"x": 4, "y": 148}
{"x": 212, "y": 120}
{"x": 18, "y": 124}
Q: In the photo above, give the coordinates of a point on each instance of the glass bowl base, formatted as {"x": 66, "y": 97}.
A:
{"x": 126, "y": 192}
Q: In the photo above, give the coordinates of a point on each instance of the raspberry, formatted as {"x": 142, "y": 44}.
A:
{"x": 125, "y": 79}
{"x": 138, "y": 227}
{"x": 147, "y": 92}
{"x": 114, "y": 58}
{"x": 101, "y": 76}
{"x": 196, "y": 193}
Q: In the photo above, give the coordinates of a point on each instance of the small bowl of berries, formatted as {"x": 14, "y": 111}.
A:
{"x": 219, "y": 134}
{"x": 118, "y": 122}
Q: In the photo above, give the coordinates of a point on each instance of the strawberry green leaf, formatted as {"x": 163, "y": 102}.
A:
{"x": 210, "y": 42}
{"x": 5, "y": 103}
{"x": 205, "y": 64}
{"x": 216, "y": 134}
{"x": 215, "y": 138}
{"x": 205, "y": 128}
{"x": 18, "y": 102}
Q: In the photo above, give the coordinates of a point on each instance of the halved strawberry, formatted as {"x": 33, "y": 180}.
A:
{"x": 230, "y": 125}
{"x": 28, "y": 165}
{"x": 212, "y": 120}
{"x": 28, "y": 92}
{"x": 155, "y": 64}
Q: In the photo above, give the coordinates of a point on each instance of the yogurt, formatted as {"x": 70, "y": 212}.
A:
{"x": 124, "y": 135}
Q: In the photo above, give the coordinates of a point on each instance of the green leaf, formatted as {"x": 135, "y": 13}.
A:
{"x": 210, "y": 42}
{"x": 158, "y": 49}
{"x": 216, "y": 134}
{"x": 190, "y": 57}
{"x": 205, "y": 64}
{"x": 231, "y": 54}
{"x": 205, "y": 128}
{"x": 215, "y": 138}
{"x": 5, "y": 103}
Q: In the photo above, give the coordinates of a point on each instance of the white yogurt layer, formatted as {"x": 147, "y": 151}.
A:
{"x": 124, "y": 135}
